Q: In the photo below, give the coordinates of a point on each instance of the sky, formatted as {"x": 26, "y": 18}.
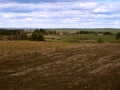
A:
{"x": 60, "y": 13}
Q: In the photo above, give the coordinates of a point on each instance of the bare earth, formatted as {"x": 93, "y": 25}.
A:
{"x": 28, "y": 65}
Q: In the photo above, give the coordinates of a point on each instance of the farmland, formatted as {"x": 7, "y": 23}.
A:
{"x": 88, "y": 38}
{"x": 62, "y": 35}
{"x": 32, "y": 65}
{"x": 84, "y": 36}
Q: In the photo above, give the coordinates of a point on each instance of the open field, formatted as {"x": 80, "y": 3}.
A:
{"x": 27, "y": 65}
{"x": 92, "y": 36}
{"x": 89, "y": 38}
{"x": 82, "y": 38}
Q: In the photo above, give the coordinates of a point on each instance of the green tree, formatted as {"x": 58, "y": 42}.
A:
{"x": 36, "y": 36}
{"x": 117, "y": 36}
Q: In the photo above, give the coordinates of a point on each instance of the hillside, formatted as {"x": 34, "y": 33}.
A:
{"x": 26, "y": 65}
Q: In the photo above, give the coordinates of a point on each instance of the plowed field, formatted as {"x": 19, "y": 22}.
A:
{"x": 28, "y": 65}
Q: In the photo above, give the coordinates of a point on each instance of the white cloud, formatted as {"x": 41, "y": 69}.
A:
{"x": 6, "y": 16}
{"x": 75, "y": 13}
{"x": 111, "y": 8}
{"x": 70, "y": 20}
{"x": 117, "y": 23}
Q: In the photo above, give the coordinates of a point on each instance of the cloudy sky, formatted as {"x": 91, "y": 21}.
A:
{"x": 60, "y": 13}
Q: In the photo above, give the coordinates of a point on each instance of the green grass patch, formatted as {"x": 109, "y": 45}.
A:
{"x": 89, "y": 38}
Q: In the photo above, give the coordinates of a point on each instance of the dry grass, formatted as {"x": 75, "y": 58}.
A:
{"x": 28, "y": 65}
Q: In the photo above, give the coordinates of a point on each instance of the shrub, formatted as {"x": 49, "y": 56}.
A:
{"x": 107, "y": 33}
{"x": 37, "y": 37}
{"x": 100, "y": 40}
{"x": 117, "y": 36}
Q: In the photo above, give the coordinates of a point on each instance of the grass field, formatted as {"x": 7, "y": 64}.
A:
{"x": 69, "y": 35}
{"x": 82, "y": 38}
{"x": 89, "y": 38}
{"x": 27, "y": 65}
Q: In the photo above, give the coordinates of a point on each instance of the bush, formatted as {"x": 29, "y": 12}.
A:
{"x": 107, "y": 33}
{"x": 100, "y": 40}
{"x": 37, "y": 37}
{"x": 117, "y": 36}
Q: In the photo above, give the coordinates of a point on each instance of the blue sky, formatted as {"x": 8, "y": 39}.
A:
{"x": 60, "y": 13}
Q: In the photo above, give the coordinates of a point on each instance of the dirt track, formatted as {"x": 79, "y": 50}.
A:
{"x": 59, "y": 66}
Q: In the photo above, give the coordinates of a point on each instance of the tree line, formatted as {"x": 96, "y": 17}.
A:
{"x": 38, "y": 34}
{"x": 21, "y": 34}
{"x": 94, "y": 32}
